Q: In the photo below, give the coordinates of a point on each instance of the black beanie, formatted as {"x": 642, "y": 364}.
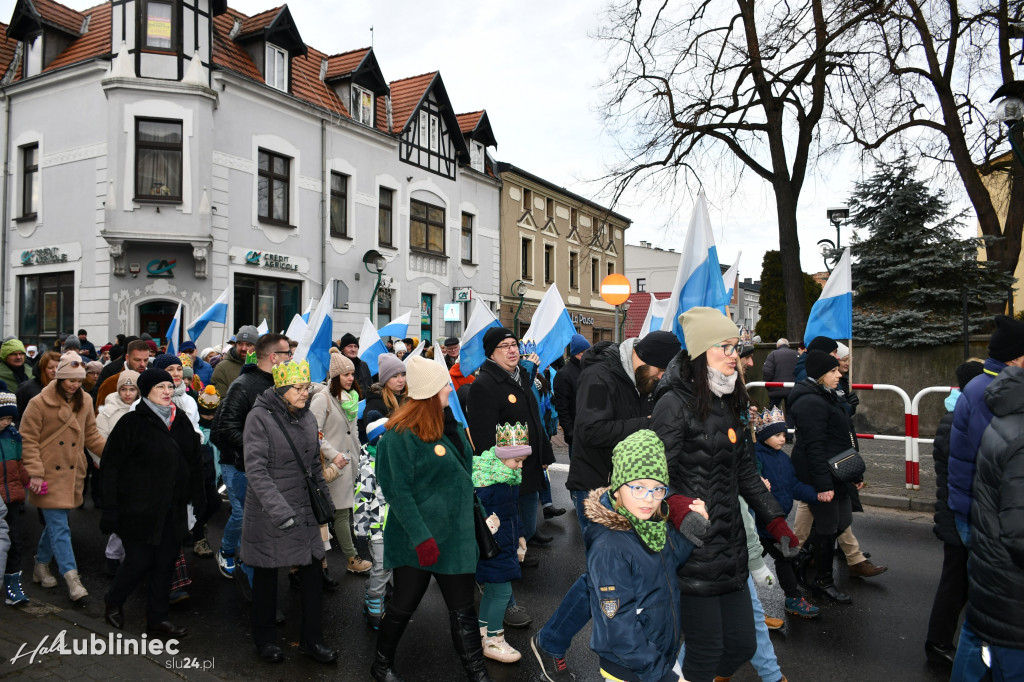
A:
{"x": 347, "y": 340}
{"x": 494, "y": 336}
{"x": 822, "y": 343}
{"x": 1007, "y": 342}
{"x": 819, "y": 363}
{"x": 967, "y": 371}
{"x": 657, "y": 348}
{"x": 150, "y": 378}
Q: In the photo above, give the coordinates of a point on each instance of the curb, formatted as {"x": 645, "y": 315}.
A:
{"x": 897, "y": 502}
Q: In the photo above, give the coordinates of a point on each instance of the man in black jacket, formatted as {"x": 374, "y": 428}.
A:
{"x": 349, "y": 347}
{"x": 563, "y": 388}
{"x": 226, "y": 434}
{"x": 613, "y": 400}
{"x": 780, "y": 365}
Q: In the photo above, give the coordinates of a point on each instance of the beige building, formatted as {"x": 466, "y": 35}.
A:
{"x": 552, "y": 236}
{"x": 998, "y": 184}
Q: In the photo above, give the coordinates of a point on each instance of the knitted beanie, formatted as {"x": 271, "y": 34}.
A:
{"x": 1007, "y": 342}
{"x": 8, "y": 405}
{"x": 657, "y": 348}
{"x": 127, "y": 377}
{"x": 640, "y": 455}
{"x": 819, "y": 363}
{"x": 425, "y": 378}
{"x": 512, "y": 440}
{"x": 70, "y": 366}
{"x": 388, "y": 365}
{"x": 704, "y": 327}
{"x": 842, "y": 350}
{"x": 348, "y": 340}
{"x": 247, "y": 333}
{"x": 400, "y": 347}
{"x": 577, "y": 344}
{"x": 208, "y": 402}
{"x": 93, "y": 366}
{"x": 823, "y": 343}
{"x": 150, "y": 378}
{"x": 166, "y": 360}
{"x": 11, "y": 346}
{"x": 494, "y": 336}
{"x": 340, "y": 364}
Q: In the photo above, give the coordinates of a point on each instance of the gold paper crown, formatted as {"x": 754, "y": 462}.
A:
{"x": 512, "y": 434}
{"x": 186, "y": 359}
{"x": 767, "y": 418}
{"x": 291, "y": 373}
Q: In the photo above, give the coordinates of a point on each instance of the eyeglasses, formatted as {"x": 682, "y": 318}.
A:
{"x": 640, "y": 492}
{"x": 302, "y": 389}
{"x": 282, "y": 352}
{"x": 727, "y": 348}
{"x": 507, "y": 346}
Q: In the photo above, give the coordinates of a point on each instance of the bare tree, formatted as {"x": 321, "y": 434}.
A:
{"x": 923, "y": 86}
{"x": 703, "y": 86}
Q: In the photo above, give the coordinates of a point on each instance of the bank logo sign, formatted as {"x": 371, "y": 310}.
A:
{"x": 43, "y": 256}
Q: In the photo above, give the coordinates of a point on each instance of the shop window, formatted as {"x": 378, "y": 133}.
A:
{"x": 261, "y": 298}
{"x": 339, "y": 205}
{"x": 274, "y": 187}
{"x": 46, "y": 303}
{"x": 158, "y": 155}
{"x": 426, "y": 227}
{"x": 384, "y": 217}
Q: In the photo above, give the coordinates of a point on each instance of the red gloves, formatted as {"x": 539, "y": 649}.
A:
{"x": 678, "y": 508}
{"x": 780, "y": 529}
{"x": 427, "y": 552}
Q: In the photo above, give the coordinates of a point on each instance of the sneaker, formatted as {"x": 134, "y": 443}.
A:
{"x": 517, "y": 617}
{"x": 76, "y": 590}
{"x": 226, "y": 564}
{"x": 41, "y": 574}
{"x": 202, "y": 549}
{"x": 357, "y": 564}
{"x": 13, "y": 594}
{"x": 552, "y": 669}
{"x": 178, "y": 596}
{"x": 773, "y": 623}
{"x": 798, "y": 606}
{"x": 497, "y": 649}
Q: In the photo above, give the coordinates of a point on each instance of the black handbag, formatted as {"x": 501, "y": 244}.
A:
{"x": 848, "y": 466}
{"x": 484, "y": 537}
{"x": 323, "y": 512}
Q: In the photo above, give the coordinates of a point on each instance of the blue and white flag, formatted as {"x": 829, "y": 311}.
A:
{"x": 397, "y": 327}
{"x": 263, "y": 327}
{"x": 471, "y": 353}
{"x": 656, "y": 313}
{"x": 297, "y": 328}
{"x": 453, "y": 398}
{"x": 699, "y": 278}
{"x": 418, "y": 350}
{"x": 370, "y": 346}
{"x": 729, "y": 278}
{"x": 315, "y": 344}
{"x": 308, "y": 310}
{"x": 550, "y": 330}
{"x": 218, "y": 312}
{"x": 173, "y": 332}
{"x": 832, "y": 314}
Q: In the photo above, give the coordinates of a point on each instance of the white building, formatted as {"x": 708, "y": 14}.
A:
{"x": 162, "y": 151}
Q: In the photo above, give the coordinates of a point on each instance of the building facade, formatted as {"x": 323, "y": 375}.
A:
{"x": 550, "y": 236}
{"x": 162, "y": 151}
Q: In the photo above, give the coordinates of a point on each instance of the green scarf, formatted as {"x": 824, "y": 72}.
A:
{"x": 350, "y": 404}
{"x": 488, "y": 469}
{"x": 652, "y": 533}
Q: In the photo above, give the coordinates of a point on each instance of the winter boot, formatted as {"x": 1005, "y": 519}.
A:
{"x": 497, "y": 649}
{"x": 14, "y": 595}
{"x": 392, "y": 626}
{"x": 41, "y": 574}
{"x": 373, "y": 607}
{"x": 76, "y": 590}
{"x": 824, "y": 584}
{"x": 466, "y": 637}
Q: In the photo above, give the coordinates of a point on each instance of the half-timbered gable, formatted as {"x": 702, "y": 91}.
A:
{"x": 429, "y": 131}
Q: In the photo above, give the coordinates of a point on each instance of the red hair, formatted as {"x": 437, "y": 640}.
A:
{"x": 425, "y": 418}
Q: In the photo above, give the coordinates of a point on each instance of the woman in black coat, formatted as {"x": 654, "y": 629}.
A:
{"x": 823, "y": 430}
{"x": 700, "y": 415}
{"x": 151, "y": 471}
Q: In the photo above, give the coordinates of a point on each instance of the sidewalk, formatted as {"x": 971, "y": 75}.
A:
{"x": 38, "y": 625}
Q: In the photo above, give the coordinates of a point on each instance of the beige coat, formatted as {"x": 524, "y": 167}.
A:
{"x": 54, "y": 439}
{"x": 339, "y": 435}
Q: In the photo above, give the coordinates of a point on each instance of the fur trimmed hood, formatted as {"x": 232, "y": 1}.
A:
{"x": 597, "y": 511}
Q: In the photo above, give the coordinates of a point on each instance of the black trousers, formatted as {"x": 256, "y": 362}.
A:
{"x": 155, "y": 563}
{"x": 719, "y": 634}
{"x": 832, "y": 518}
{"x": 16, "y": 530}
{"x": 950, "y": 596}
{"x": 213, "y": 500}
{"x": 411, "y": 584}
{"x": 264, "y": 604}
{"x": 784, "y": 569}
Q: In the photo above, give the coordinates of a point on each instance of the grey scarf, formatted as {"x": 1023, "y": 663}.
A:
{"x": 721, "y": 384}
{"x": 159, "y": 410}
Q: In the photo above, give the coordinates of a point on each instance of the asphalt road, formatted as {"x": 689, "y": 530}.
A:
{"x": 879, "y": 636}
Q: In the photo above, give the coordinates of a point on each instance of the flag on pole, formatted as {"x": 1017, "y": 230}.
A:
{"x": 453, "y": 398}
{"x": 729, "y": 278}
{"x": 397, "y": 327}
{"x": 699, "y": 278}
{"x": 471, "y": 354}
{"x": 263, "y": 327}
{"x": 550, "y": 330}
{"x": 297, "y": 328}
{"x": 418, "y": 350}
{"x": 315, "y": 344}
{"x": 218, "y": 312}
{"x": 656, "y": 313}
{"x": 173, "y": 332}
{"x": 832, "y": 314}
{"x": 308, "y": 310}
{"x": 370, "y": 346}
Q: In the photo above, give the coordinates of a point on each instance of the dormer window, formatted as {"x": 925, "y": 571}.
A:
{"x": 362, "y": 105}
{"x": 277, "y": 68}
{"x": 476, "y": 156}
{"x": 159, "y": 25}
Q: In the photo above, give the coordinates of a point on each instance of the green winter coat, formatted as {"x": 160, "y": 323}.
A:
{"x": 429, "y": 488}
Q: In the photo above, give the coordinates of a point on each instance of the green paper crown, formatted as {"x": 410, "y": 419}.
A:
{"x": 291, "y": 373}
{"x": 508, "y": 435}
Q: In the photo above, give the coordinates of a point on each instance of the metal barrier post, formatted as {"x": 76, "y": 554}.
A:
{"x": 915, "y": 413}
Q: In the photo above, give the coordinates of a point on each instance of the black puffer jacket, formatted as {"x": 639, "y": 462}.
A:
{"x": 710, "y": 460}
{"x": 608, "y": 408}
{"x": 494, "y": 398}
{"x": 563, "y": 396}
{"x": 945, "y": 524}
{"x": 229, "y": 424}
{"x": 823, "y": 430}
{"x": 995, "y": 568}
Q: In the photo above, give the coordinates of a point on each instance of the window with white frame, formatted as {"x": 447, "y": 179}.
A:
{"x": 159, "y": 29}
{"x": 274, "y": 172}
{"x": 276, "y": 73}
{"x": 362, "y": 105}
{"x": 476, "y": 156}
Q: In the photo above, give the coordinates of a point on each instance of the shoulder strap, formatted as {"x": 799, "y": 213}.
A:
{"x": 284, "y": 430}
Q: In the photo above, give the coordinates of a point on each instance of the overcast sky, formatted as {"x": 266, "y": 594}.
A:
{"x": 535, "y": 67}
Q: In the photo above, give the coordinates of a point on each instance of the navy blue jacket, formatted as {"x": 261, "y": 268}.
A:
{"x": 970, "y": 419}
{"x": 778, "y": 469}
{"x": 203, "y": 369}
{"x": 634, "y": 595}
{"x": 501, "y": 499}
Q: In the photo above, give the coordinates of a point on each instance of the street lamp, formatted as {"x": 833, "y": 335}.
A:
{"x": 518, "y": 289}
{"x": 1010, "y": 111}
{"x": 373, "y": 259}
{"x": 625, "y": 309}
{"x": 837, "y": 215}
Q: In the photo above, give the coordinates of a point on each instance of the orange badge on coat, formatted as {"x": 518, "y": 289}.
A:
{"x": 732, "y": 435}
{"x": 512, "y": 398}
{"x": 439, "y": 450}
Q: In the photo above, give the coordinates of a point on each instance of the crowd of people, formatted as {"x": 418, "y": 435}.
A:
{"x": 681, "y": 488}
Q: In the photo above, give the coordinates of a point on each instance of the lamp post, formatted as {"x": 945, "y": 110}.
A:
{"x": 1010, "y": 111}
{"x": 625, "y": 309}
{"x": 518, "y": 289}
{"x": 837, "y": 215}
{"x": 374, "y": 259}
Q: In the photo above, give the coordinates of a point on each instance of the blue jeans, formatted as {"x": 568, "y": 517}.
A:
{"x": 963, "y": 528}
{"x": 528, "y": 513}
{"x": 56, "y": 541}
{"x": 764, "y": 661}
{"x": 1007, "y": 664}
{"x": 568, "y": 619}
{"x": 236, "y": 484}
{"x": 545, "y": 492}
{"x": 578, "y": 496}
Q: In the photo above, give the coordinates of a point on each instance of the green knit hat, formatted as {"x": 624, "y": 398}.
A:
{"x": 640, "y": 455}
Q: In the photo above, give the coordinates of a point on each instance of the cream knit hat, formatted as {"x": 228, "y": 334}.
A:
{"x": 425, "y": 378}
{"x": 704, "y": 327}
{"x": 70, "y": 366}
{"x": 340, "y": 364}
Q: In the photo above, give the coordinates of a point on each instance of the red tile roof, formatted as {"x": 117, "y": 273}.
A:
{"x": 405, "y": 95}
{"x": 7, "y": 47}
{"x": 59, "y": 15}
{"x": 306, "y": 83}
{"x": 93, "y": 43}
{"x": 346, "y": 62}
{"x": 468, "y": 122}
{"x": 227, "y": 53}
{"x": 258, "y": 22}
{"x": 639, "y": 302}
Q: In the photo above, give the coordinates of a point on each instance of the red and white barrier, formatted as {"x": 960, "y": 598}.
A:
{"x": 915, "y": 406}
